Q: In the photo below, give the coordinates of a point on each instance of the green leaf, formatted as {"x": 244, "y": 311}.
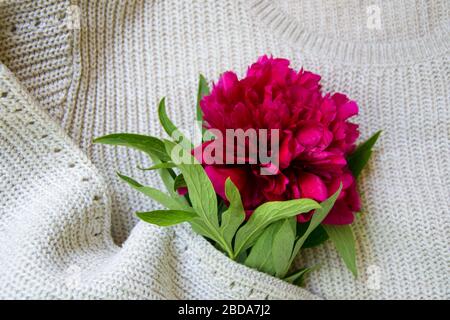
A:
{"x": 283, "y": 243}
{"x": 165, "y": 218}
{"x": 222, "y": 207}
{"x": 315, "y": 221}
{"x": 344, "y": 241}
{"x": 157, "y": 195}
{"x": 168, "y": 176}
{"x": 260, "y": 257}
{"x": 266, "y": 214}
{"x": 317, "y": 237}
{"x": 167, "y": 124}
{"x": 148, "y": 144}
{"x": 358, "y": 159}
{"x": 200, "y": 227}
{"x": 233, "y": 217}
{"x": 203, "y": 90}
{"x": 298, "y": 277}
{"x": 179, "y": 182}
{"x": 201, "y": 194}
{"x": 154, "y": 147}
{"x": 170, "y": 128}
{"x": 201, "y": 191}
{"x": 162, "y": 165}
{"x": 242, "y": 257}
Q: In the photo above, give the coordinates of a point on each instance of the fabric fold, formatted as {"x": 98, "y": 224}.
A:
{"x": 60, "y": 224}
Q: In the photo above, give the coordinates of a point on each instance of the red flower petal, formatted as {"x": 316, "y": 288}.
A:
{"x": 310, "y": 135}
{"x": 312, "y": 187}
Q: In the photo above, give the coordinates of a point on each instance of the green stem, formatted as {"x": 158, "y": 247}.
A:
{"x": 221, "y": 241}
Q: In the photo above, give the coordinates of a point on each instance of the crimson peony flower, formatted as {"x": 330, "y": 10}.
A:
{"x": 315, "y": 137}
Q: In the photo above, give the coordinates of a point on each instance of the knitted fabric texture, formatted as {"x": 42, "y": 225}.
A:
{"x": 67, "y": 223}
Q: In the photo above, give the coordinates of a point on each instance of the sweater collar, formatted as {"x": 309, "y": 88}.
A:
{"x": 395, "y": 50}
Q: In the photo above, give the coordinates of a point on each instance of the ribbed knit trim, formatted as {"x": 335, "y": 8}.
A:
{"x": 395, "y": 52}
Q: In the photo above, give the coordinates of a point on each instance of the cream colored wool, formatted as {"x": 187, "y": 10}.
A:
{"x": 67, "y": 225}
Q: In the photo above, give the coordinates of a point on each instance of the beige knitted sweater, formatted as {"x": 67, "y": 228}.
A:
{"x": 67, "y": 225}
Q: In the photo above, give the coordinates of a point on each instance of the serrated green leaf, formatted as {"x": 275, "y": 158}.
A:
{"x": 165, "y": 218}
{"x": 170, "y": 128}
{"x": 203, "y": 90}
{"x": 233, "y": 217}
{"x": 282, "y": 246}
{"x": 260, "y": 256}
{"x": 344, "y": 241}
{"x": 162, "y": 165}
{"x": 315, "y": 221}
{"x": 179, "y": 182}
{"x": 148, "y": 144}
{"x": 298, "y": 277}
{"x": 359, "y": 158}
{"x": 157, "y": 195}
{"x": 266, "y": 214}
